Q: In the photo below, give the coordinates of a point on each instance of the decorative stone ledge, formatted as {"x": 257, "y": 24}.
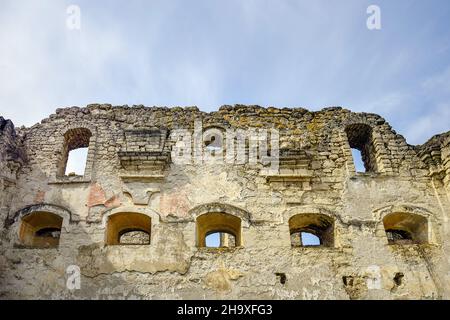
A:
{"x": 293, "y": 166}
{"x": 136, "y": 176}
{"x": 143, "y": 165}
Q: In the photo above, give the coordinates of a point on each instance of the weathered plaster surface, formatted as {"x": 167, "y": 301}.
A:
{"x": 360, "y": 265}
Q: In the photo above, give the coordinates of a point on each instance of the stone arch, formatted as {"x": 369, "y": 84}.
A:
{"x": 39, "y": 225}
{"x": 307, "y": 209}
{"x": 80, "y": 125}
{"x": 380, "y": 213}
{"x": 64, "y": 213}
{"x": 155, "y": 217}
{"x": 215, "y": 126}
{"x": 318, "y": 221}
{"x": 219, "y": 218}
{"x": 122, "y": 223}
{"x": 40, "y": 230}
{"x": 410, "y": 222}
{"x": 224, "y": 208}
{"x": 359, "y": 136}
{"x": 218, "y": 222}
{"x": 75, "y": 136}
{"x": 146, "y": 220}
{"x": 318, "y": 225}
{"x": 364, "y": 135}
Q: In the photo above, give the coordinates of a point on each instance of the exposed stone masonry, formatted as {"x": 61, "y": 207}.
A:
{"x": 132, "y": 188}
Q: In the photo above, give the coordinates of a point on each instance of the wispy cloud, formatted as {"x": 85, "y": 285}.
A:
{"x": 434, "y": 121}
{"x": 210, "y": 52}
{"x": 438, "y": 83}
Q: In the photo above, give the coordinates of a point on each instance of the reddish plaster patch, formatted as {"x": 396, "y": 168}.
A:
{"x": 96, "y": 195}
{"x": 40, "y": 196}
{"x": 113, "y": 202}
{"x": 175, "y": 203}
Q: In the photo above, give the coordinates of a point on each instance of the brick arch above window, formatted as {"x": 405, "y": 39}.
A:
{"x": 40, "y": 229}
{"x": 319, "y": 225}
{"x": 43, "y": 207}
{"x": 407, "y": 222}
{"x": 126, "y": 223}
{"x": 31, "y": 225}
{"x": 221, "y": 207}
{"x": 218, "y": 222}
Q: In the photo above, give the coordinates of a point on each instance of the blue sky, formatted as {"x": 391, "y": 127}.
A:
{"x": 208, "y": 53}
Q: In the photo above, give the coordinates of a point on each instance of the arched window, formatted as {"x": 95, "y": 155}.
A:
{"x": 405, "y": 228}
{"x": 41, "y": 230}
{"x": 128, "y": 228}
{"x": 218, "y": 230}
{"x": 311, "y": 230}
{"x": 75, "y": 151}
{"x": 360, "y": 140}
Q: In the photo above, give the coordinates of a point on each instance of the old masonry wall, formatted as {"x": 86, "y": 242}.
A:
{"x": 384, "y": 232}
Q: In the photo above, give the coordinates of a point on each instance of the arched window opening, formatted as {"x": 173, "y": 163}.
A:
{"x": 41, "y": 230}
{"x": 311, "y": 230}
{"x": 217, "y": 239}
{"x": 358, "y": 160}
{"x": 405, "y": 228}
{"x": 75, "y": 151}
{"x": 128, "y": 228}
{"x": 76, "y": 162}
{"x": 218, "y": 230}
{"x": 360, "y": 140}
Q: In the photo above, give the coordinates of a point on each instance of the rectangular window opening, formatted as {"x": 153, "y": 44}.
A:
{"x": 358, "y": 160}
{"x": 76, "y": 162}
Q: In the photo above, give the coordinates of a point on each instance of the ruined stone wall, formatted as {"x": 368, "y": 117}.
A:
{"x": 130, "y": 168}
{"x": 12, "y": 156}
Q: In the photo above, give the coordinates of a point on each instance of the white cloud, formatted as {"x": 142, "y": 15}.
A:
{"x": 434, "y": 121}
{"x": 284, "y": 53}
{"x": 438, "y": 83}
{"x": 391, "y": 103}
{"x": 44, "y": 64}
